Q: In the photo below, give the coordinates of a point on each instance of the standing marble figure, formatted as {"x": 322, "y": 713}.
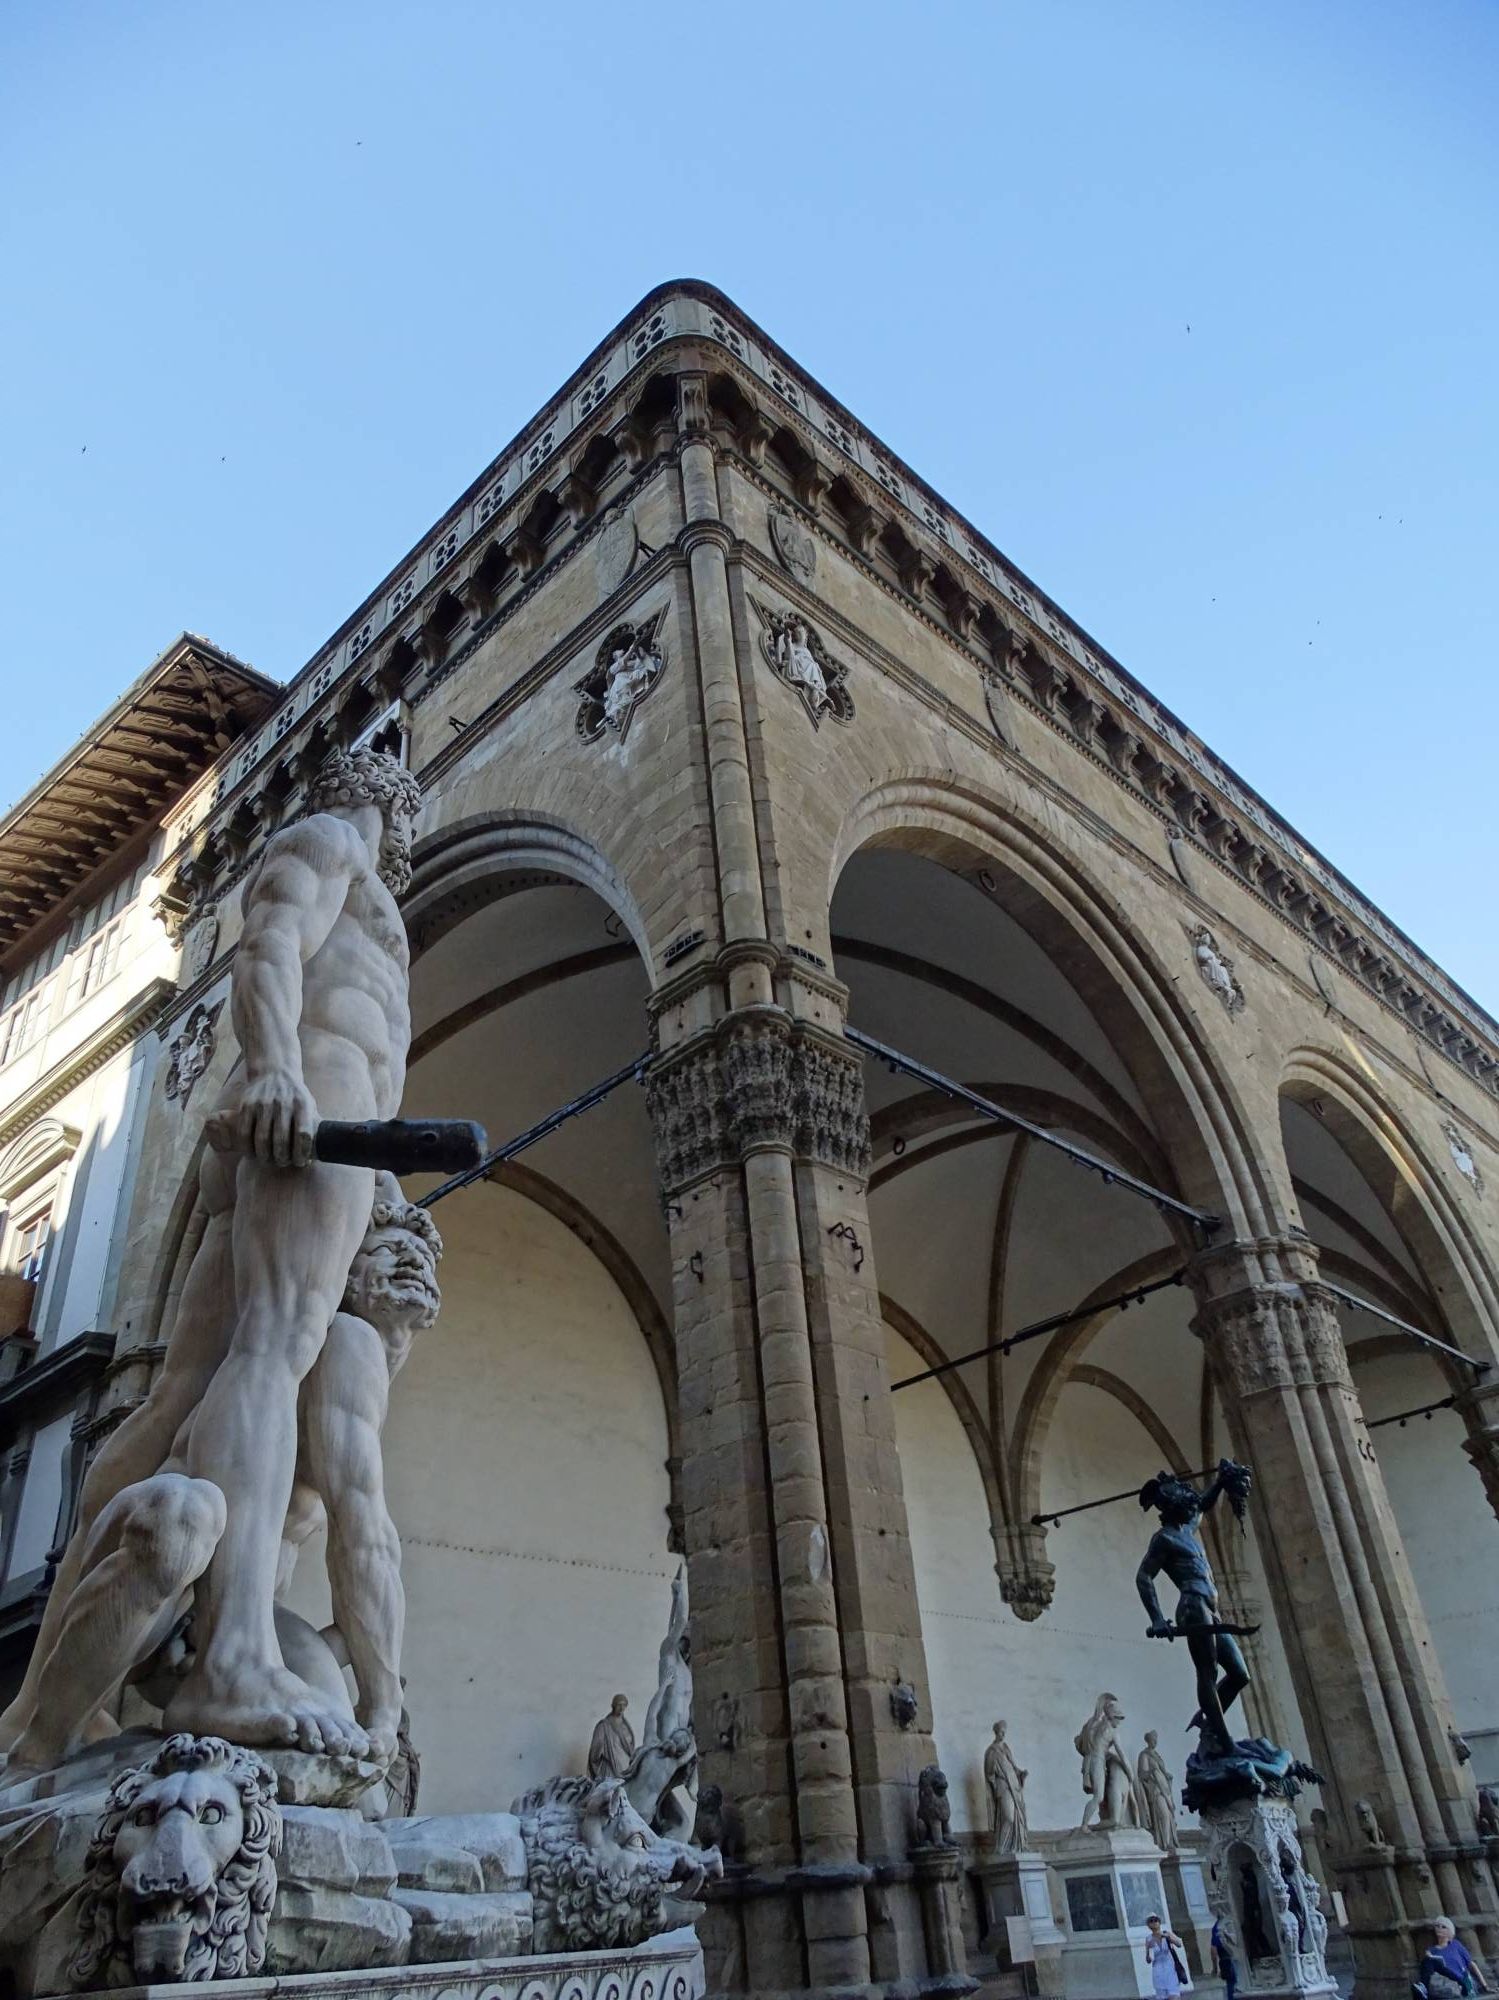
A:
{"x": 1176, "y": 1548}
{"x": 1106, "y": 1774}
{"x": 1008, "y": 1825}
{"x": 1157, "y": 1800}
{"x": 613, "y": 1743}
{"x": 320, "y": 1010}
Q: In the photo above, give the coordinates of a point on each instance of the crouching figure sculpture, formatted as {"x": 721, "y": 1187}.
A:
{"x": 181, "y": 1872}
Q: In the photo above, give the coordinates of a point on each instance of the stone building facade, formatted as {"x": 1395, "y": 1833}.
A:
{"x": 87, "y": 966}
{"x": 733, "y": 733}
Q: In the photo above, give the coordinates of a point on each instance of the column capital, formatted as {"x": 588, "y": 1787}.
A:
{"x": 758, "y": 1080}
{"x": 1267, "y": 1323}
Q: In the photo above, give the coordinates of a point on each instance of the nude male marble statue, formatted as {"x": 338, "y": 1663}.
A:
{"x": 154, "y": 1539}
{"x": 320, "y": 1011}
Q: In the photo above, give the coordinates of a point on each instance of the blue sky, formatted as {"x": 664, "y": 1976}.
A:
{"x": 1192, "y": 308}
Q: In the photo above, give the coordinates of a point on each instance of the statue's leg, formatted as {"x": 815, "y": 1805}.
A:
{"x": 200, "y": 1335}
{"x": 343, "y": 1413}
{"x": 1204, "y": 1650}
{"x": 295, "y": 1234}
{"x": 147, "y": 1547}
{"x": 1235, "y": 1671}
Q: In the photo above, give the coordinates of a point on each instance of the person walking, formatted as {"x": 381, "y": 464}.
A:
{"x": 1163, "y": 1954}
{"x": 1224, "y": 1960}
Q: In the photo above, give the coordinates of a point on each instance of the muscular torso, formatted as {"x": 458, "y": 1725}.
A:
{"x": 1181, "y": 1556}
{"x": 354, "y": 993}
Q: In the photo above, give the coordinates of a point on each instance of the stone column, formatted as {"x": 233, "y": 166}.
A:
{"x": 1370, "y": 1690}
{"x": 803, "y": 1595}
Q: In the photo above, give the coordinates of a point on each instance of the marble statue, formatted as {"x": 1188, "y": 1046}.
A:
{"x": 933, "y": 1808}
{"x": 1107, "y": 1779}
{"x": 629, "y": 675}
{"x": 1157, "y": 1798}
{"x": 1368, "y": 1823}
{"x": 613, "y": 1743}
{"x": 1488, "y": 1812}
{"x": 1176, "y": 1548}
{"x": 1215, "y": 969}
{"x": 718, "y": 1824}
{"x": 798, "y": 662}
{"x": 1009, "y": 1827}
{"x": 597, "y": 1872}
{"x": 180, "y": 1877}
{"x": 125, "y": 1616}
{"x": 667, "y": 1756}
{"x": 319, "y": 1005}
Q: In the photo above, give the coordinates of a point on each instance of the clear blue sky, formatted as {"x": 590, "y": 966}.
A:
{"x": 282, "y": 278}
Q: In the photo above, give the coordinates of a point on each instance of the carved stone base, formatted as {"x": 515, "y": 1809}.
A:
{"x": 1268, "y": 1906}
{"x": 1111, "y": 1882}
{"x": 666, "y": 1968}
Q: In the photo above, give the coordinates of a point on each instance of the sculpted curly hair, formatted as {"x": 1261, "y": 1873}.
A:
{"x": 231, "y": 1919}
{"x": 363, "y": 778}
{"x": 583, "y": 1901}
{"x": 406, "y": 1215}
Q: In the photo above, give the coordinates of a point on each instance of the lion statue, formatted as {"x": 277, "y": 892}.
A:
{"x": 933, "y": 1809}
{"x": 598, "y": 1875}
{"x": 181, "y": 1871}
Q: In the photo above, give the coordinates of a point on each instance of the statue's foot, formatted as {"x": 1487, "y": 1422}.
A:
{"x": 262, "y": 1706}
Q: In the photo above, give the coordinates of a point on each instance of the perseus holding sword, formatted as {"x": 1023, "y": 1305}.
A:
{"x": 1176, "y": 1548}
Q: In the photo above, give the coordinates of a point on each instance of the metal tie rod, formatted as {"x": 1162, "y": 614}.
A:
{"x": 1121, "y": 1300}
{"x": 1059, "y": 1514}
{"x": 1077, "y": 1154}
{"x": 1404, "y": 1325}
{"x": 529, "y": 1137}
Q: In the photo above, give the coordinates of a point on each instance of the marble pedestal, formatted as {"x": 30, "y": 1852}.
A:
{"x": 1269, "y": 1906}
{"x": 1018, "y": 1886}
{"x": 1111, "y": 1882}
{"x": 1188, "y": 1911}
{"x": 669, "y": 1967}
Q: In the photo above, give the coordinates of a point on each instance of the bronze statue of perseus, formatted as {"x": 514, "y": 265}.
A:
{"x": 1176, "y": 1549}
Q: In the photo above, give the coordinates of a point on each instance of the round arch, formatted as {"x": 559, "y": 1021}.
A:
{"x": 461, "y": 868}
{"x": 1408, "y": 1188}
{"x": 1206, "y": 1131}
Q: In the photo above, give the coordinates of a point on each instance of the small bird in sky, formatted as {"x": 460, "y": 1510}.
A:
{"x": 454, "y": 723}
{"x": 85, "y": 447}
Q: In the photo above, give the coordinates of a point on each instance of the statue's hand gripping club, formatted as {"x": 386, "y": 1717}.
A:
{"x": 277, "y": 1122}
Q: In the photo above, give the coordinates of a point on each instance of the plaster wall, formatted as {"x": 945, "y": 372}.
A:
{"x": 525, "y": 1465}
{"x": 1448, "y": 1531}
{"x": 1042, "y": 1677}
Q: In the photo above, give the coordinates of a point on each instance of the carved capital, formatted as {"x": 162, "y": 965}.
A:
{"x": 1027, "y": 1581}
{"x": 1267, "y": 1331}
{"x": 763, "y": 1081}
{"x": 757, "y": 1071}
{"x": 686, "y": 1109}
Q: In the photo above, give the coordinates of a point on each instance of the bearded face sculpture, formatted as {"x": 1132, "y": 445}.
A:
{"x": 598, "y": 1874}
{"x": 181, "y": 1872}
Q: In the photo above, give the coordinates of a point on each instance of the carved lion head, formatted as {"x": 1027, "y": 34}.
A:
{"x": 598, "y": 1873}
{"x": 181, "y": 1871}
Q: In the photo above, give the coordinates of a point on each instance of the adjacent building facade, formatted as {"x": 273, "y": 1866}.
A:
{"x": 89, "y": 959}
{"x": 734, "y": 735}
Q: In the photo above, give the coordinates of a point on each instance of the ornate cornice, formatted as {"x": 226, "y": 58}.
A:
{"x": 1046, "y": 659}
